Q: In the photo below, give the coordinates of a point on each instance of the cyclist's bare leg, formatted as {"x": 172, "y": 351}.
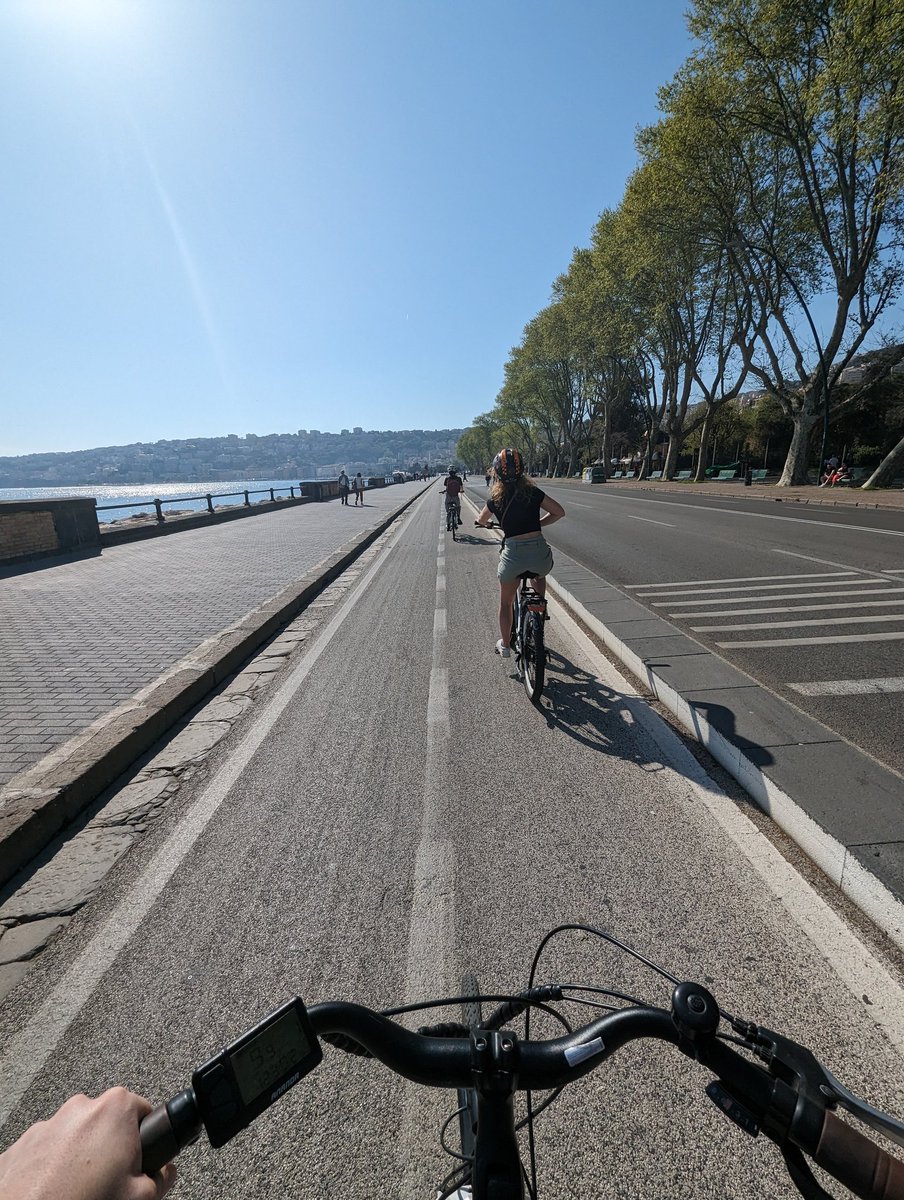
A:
{"x": 539, "y": 585}
{"x": 506, "y": 600}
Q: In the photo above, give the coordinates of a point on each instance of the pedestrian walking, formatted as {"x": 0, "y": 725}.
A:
{"x": 359, "y": 489}
{"x": 343, "y": 486}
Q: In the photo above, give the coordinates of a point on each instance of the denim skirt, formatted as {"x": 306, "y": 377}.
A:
{"x": 529, "y": 554}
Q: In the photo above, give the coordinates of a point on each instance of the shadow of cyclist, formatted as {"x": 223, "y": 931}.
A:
{"x": 587, "y": 710}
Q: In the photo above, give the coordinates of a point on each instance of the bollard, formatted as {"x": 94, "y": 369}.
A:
{"x": 247, "y": 501}
{"x": 160, "y": 516}
{"x": 292, "y": 492}
{"x": 272, "y": 497}
{"x": 209, "y": 502}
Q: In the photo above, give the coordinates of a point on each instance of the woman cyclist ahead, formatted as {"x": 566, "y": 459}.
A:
{"x": 516, "y": 504}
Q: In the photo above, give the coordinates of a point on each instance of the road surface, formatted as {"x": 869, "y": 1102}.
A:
{"x": 395, "y": 813}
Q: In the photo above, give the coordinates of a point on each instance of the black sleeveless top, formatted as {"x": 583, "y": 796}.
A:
{"x": 522, "y": 515}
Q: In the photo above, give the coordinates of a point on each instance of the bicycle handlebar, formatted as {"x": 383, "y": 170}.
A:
{"x": 793, "y": 1112}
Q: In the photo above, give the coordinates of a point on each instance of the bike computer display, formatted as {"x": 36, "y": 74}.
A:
{"x": 241, "y": 1081}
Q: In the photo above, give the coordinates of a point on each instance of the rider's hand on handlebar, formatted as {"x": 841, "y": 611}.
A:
{"x": 88, "y": 1150}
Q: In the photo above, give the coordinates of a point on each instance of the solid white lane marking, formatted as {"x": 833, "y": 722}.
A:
{"x": 828, "y": 562}
{"x": 733, "y": 512}
{"x": 790, "y": 608}
{"x": 821, "y": 621}
{"x": 741, "y": 579}
{"x": 648, "y": 521}
{"x": 850, "y": 687}
{"x": 871, "y": 591}
{"x": 814, "y": 641}
{"x": 840, "y": 949}
{"x": 769, "y": 587}
{"x": 23, "y": 1058}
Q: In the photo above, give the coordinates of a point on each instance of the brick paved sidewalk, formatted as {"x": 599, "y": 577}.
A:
{"x": 78, "y": 638}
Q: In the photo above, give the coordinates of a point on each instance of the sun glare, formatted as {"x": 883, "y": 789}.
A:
{"x": 89, "y": 17}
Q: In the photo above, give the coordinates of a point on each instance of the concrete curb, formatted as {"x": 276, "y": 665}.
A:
{"x": 707, "y": 681}
{"x": 835, "y": 856}
{"x": 38, "y": 802}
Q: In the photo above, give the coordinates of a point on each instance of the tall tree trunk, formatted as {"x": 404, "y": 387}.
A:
{"x": 887, "y": 468}
{"x": 795, "y": 470}
{"x": 671, "y": 458}
{"x": 700, "y": 473}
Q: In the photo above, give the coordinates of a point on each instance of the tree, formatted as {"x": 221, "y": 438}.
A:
{"x": 814, "y": 87}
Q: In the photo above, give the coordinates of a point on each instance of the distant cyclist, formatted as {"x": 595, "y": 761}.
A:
{"x": 453, "y": 488}
{"x": 516, "y": 504}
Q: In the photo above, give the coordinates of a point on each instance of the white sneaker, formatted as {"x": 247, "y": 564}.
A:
{"x": 502, "y": 649}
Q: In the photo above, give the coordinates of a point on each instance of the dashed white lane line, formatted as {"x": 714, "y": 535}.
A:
{"x": 836, "y": 526}
{"x": 648, "y": 521}
{"x": 850, "y": 687}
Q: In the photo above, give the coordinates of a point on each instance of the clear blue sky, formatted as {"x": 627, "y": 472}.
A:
{"x": 234, "y": 216}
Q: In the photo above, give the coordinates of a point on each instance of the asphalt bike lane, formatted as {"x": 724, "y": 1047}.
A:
{"x": 811, "y": 604}
{"x": 402, "y": 814}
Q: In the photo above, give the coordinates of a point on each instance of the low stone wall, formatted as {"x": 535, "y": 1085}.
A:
{"x": 33, "y": 528}
{"x": 320, "y": 489}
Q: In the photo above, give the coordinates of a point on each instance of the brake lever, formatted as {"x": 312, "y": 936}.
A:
{"x": 878, "y": 1121}
{"x": 791, "y": 1062}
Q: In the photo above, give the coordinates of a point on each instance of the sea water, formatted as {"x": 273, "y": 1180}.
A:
{"x": 136, "y": 498}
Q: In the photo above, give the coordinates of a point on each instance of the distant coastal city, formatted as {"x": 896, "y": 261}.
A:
{"x": 307, "y": 454}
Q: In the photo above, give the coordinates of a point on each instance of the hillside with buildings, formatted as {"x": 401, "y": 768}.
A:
{"x": 307, "y": 454}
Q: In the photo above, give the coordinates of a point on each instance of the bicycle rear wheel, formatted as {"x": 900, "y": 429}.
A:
{"x": 533, "y": 656}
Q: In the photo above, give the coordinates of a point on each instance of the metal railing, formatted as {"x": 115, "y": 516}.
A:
{"x": 208, "y": 496}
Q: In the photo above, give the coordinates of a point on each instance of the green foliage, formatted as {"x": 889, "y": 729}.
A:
{"x": 775, "y": 174}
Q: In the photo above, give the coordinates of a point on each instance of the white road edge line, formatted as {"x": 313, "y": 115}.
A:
{"x": 734, "y": 512}
{"x": 23, "y": 1058}
{"x": 833, "y": 858}
{"x": 852, "y": 961}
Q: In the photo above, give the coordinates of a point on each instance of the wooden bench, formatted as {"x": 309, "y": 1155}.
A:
{"x": 758, "y": 476}
{"x": 655, "y": 475}
{"x": 684, "y": 475}
{"x": 724, "y": 476}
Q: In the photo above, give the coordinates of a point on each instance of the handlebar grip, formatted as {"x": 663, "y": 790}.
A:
{"x": 858, "y": 1163}
{"x": 169, "y": 1128}
{"x": 158, "y": 1142}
